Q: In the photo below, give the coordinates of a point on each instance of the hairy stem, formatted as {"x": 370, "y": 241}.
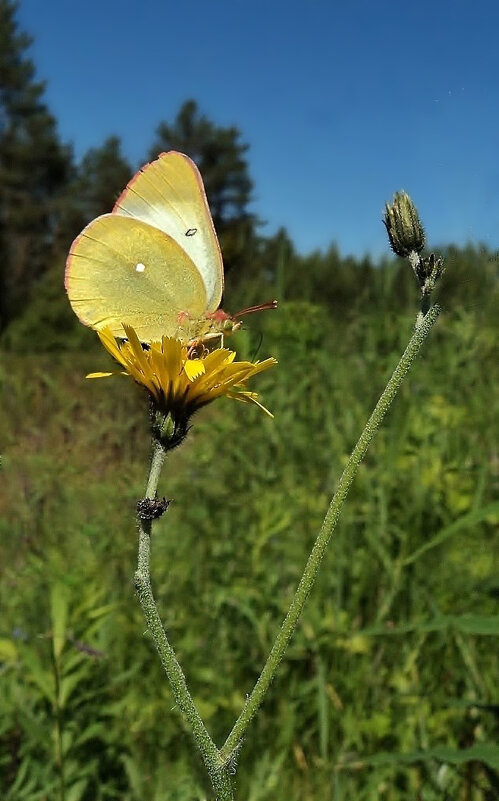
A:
{"x": 330, "y": 521}
{"x": 220, "y": 778}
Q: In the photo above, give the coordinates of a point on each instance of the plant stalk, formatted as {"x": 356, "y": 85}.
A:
{"x": 217, "y": 761}
{"x": 219, "y": 776}
{"x": 314, "y": 561}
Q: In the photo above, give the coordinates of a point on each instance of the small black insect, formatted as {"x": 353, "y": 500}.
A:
{"x": 191, "y": 231}
{"x": 151, "y": 508}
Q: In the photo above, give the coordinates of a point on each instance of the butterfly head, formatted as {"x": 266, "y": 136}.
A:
{"x": 215, "y": 325}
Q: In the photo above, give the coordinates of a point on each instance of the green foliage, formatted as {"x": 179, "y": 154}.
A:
{"x": 389, "y": 687}
{"x": 49, "y": 321}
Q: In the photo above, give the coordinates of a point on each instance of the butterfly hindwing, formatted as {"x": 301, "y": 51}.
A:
{"x": 122, "y": 270}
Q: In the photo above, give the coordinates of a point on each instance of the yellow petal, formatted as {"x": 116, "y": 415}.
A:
{"x": 193, "y": 368}
{"x": 175, "y": 380}
{"x": 137, "y": 349}
{"x": 109, "y": 342}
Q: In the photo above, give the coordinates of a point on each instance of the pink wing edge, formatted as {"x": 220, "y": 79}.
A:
{"x": 67, "y": 269}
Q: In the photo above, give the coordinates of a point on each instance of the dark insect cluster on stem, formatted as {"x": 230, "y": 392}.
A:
{"x": 152, "y": 508}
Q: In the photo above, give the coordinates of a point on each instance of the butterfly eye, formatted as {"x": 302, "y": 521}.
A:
{"x": 191, "y": 231}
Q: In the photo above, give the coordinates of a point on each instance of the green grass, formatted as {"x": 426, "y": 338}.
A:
{"x": 393, "y": 661}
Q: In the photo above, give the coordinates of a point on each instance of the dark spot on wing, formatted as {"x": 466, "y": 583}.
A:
{"x": 191, "y": 231}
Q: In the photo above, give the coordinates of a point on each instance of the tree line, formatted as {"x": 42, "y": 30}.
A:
{"x": 47, "y": 197}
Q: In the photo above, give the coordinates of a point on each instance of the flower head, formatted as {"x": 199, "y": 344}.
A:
{"x": 404, "y": 228}
{"x": 408, "y": 239}
{"x": 180, "y": 378}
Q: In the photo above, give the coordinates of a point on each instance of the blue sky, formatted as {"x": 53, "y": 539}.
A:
{"x": 341, "y": 103}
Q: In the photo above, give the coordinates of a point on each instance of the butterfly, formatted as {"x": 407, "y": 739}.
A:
{"x": 154, "y": 262}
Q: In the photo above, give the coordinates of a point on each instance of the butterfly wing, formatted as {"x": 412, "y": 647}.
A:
{"x": 122, "y": 270}
{"x": 169, "y": 194}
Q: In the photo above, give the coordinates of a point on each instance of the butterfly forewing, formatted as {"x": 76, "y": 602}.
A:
{"x": 122, "y": 270}
{"x": 168, "y": 194}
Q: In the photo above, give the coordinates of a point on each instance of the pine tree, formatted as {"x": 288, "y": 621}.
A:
{"x": 100, "y": 177}
{"x": 221, "y": 158}
{"x": 33, "y": 168}
{"x": 97, "y": 182}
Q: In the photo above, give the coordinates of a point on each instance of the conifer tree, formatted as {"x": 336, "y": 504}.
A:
{"x": 221, "y": 158}
{"x": 99, "y": 179}
{"x": 33, "y": 168}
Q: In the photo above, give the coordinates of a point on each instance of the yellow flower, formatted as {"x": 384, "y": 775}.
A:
{"x": 182, "y": 378}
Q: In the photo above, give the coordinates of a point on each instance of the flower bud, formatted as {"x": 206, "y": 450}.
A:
{"x": 404, "y": 228}
{"x": 169, "y": 429}
{"x": 428, "y": 271}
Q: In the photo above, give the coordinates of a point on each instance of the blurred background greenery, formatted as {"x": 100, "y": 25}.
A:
{"x": 389, "y": 689}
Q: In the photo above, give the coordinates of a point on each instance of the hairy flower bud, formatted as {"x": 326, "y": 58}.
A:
{"x": 428, "y": 271}
{"x": 404, "y": 228}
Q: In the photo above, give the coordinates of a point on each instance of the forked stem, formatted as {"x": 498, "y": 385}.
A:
{"x": 219, "y": 776}
{"x": 217, "y": 762}
{"x": 328, "y": 526}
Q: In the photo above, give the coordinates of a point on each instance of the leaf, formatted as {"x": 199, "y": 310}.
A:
{"x": 102, "y": 611}
{"x": 76, "y": 791}
{"x": 43, "y": 679}
{"x": 133, "y": 773}
{"x": 357, "y": 643}
{"x": 8, "y": 650}
{"x": 476, "y": 516}
{"x": 93, "y": 731}
{"x": 59, "y": 614}
{"x": 69, "y": 683}
{"x": 488, "y": 753}
{"x": 485, "y": 625}
{"x": 478, "y": 624}
{"x": 24, "y": 769}
{"x": 72, "y": 660}
{"x": 322, "y": 709}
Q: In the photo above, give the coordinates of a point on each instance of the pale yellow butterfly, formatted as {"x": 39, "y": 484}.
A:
{"x": 154, "y": 261}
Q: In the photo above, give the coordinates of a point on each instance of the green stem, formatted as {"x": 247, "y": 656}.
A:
{"x": 330, "y": 521}
{"x": 59, "y": 751}
{"x": 219, "y": 776}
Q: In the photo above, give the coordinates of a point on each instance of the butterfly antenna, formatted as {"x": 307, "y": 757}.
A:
{"x": 270, "y": 304}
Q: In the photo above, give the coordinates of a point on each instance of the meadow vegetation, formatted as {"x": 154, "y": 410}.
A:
{"x": 389, "y": 687}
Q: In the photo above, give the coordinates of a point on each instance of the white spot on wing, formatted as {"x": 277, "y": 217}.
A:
{"x": 139, "y": 268}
